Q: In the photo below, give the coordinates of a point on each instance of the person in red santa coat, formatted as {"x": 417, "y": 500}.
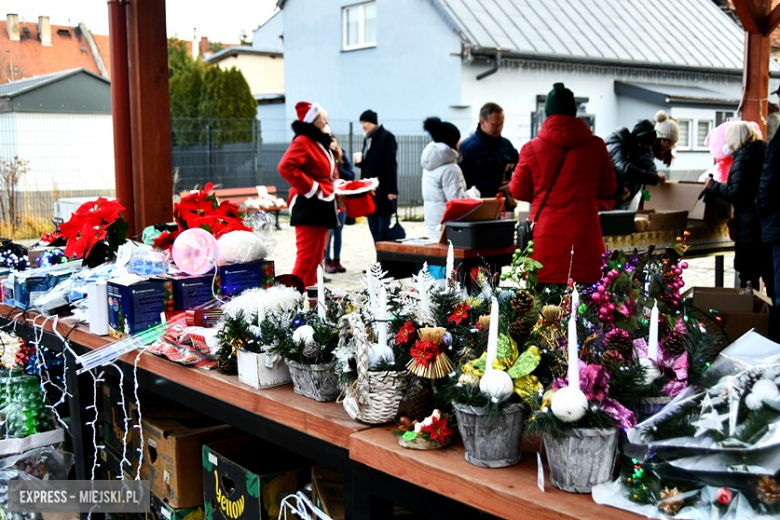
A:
{"x": 309, "y": 167}
{"x": 570, "y": 217}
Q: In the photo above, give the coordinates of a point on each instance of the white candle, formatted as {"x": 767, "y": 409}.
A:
{"x": 320, "y": 293}
{"x": 260, "y": 312}
{"x": 382, "y": 323}
{"x": 450, "y": 261}
{"x": 422, "y": 288}
{"x": 652, "y": 341}
{"x": 371, "y": 291}
{"x": 492, "y": 346}
{"x": 573, "y": 351}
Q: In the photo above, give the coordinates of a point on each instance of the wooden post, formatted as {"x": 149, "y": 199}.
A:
{"x": 755, "y": 75}
{"x": 150, "y": 112}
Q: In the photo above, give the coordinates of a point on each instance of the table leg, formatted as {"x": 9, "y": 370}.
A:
{"x": 719, "y": 271}
{"x": 276, "y": 216}
{"x": 81, "y": 392}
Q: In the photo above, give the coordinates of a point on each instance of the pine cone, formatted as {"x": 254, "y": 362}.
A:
{"x": 520, "y": 330}
{"x": 522, "y": 303}
{"x": 417, "y": 403}
{"x": 669, "y": 504}
{"x": 673, "y": 344}
{"x": 620, "y": 341}
{"x": 768, "y": 491}
{"x": 227, "y": 366}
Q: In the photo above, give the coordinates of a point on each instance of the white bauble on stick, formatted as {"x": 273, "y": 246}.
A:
{"x": 377, "y": 353}
{"x": 305, "y": 334}
{"x": 765, "y": 390}
{"x": 651, "y": 370}
{"x": 569, "y": 404}
{"x": 496, "y": 384}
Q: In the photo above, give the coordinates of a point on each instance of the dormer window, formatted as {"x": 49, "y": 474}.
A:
{"x": 359, "y": 26}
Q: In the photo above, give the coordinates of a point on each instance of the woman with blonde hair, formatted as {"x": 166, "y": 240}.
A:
{"x": 752, "y": 258}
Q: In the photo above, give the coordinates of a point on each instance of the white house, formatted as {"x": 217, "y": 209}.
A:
{"x": 624, "y": 60}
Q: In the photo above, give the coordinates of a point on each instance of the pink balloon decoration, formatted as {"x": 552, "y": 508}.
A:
{"x": 195, "y": 251}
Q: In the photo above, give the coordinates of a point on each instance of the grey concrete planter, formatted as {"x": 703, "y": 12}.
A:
{"x": 491, "y": 442}
{"x": 582, "y": 458}
{"x": 318, "y": 382}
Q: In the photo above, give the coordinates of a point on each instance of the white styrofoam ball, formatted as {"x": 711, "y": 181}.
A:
{"x": 305, "y": 334}
{"x": 240, "y": 247}
{"x": 753, "y": 402}
{"x": 651, "y": 370}
{"x": 497, "y": 384}
{"x": 569, "y": 404}
{"x": 765, "y": 390}
{"x": 350, "y": 405}
{"x": 377, "y": 354}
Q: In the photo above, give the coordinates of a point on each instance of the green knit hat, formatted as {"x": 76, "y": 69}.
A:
{"x": 560, "y": 101}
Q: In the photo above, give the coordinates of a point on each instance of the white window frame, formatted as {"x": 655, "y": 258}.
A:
{"x": 690, "y": 132}
{"x": 695, "y": 145}
{"x": 361, "y": 27}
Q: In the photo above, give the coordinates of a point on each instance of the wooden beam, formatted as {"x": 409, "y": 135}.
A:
{"x": 750, "y": 18}
{"x": 772, "y": 21}
{"x": 150, "y": 112}
{"x": 755, "y": 78}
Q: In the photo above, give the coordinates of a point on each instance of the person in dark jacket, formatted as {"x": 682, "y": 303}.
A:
{"x": 632, "y": 156}
{"x": 752, "y": 259}
{"x": 378, "y": 160}
{"x": 489, "y": 159}
{"x": 768, "y": 202}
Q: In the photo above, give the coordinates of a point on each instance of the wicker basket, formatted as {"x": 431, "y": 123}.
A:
{"x": 375, "y": 396}
{"x": 318, "y": 382}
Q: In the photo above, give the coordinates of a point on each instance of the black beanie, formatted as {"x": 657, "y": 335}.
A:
{"x": 644, "y": 132}
{"x": 560, "y": 101}
{"x": 442, "y": 132}
{"x": 369, "y": 116}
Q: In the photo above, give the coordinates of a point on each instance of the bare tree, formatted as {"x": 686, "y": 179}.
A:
{"x": 11, "y": 172}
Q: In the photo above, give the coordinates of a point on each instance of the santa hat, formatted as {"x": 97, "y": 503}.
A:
{"x": 307, "y": 112}
{"x": 357, "y": 196}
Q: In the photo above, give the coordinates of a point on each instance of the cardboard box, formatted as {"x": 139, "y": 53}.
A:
{"x": 134, "y": 306}
{"x": 261, "y": 370}
{"x": 246, "y": 478}
{"x": 35, "y": 253}
{"x": 490, "y": 209}
{"x": 8, "y": 291}
{"x": 183, "y": 292}
{"x": 327, "y": 489}
{"x": 665, "y": 220}
{"x": 234, "y": 279}
{"x": 741, "y": 309}
{"x": 161, "y": 510}
{"x": 172, "y": 457}
{"x": 684, "y": 196}
{"x": 110, "y": 466}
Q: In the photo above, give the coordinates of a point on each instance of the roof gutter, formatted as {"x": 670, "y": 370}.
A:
{"x": 494, "y": 69}
{"x": 487, "y": 52}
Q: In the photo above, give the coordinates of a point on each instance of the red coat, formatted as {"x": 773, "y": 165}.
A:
{"x": 310, "y": 168}
{"x": 570, "y": 217}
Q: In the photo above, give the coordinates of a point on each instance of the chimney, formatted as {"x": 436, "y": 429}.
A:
{"x": 44, "y": 30}
{"x": 12, "y": 24}
{"x": 203, "y": 48}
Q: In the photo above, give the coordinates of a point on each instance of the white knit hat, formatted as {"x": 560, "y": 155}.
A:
{"x": 666, "y": 126}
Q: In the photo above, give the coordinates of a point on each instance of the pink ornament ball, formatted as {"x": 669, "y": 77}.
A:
{"x": 195, "y": 251}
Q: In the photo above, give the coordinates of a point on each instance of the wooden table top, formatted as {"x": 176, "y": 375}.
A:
{"x": 326, "y": 421}
{"x": 506, "y": 492}
{"x": 440, "y": 250}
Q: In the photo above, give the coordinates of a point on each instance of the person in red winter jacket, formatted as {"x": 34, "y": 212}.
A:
{"x": 309, "y": 167}
{"x": 569, "y": 219}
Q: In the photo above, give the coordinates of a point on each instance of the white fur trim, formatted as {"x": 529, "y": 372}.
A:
{"x": 312, "y": 114}
{"x": 314, "y": 187}
{"x": 340, "y": 183}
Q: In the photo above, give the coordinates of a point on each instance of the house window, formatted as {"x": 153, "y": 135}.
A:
{"x": 702, "y": 130}
{"x": 685, "y": 134}
{"x": 722, "y": 117}
{"x": 359, "y": 26}
{"x": 538, "y": 117}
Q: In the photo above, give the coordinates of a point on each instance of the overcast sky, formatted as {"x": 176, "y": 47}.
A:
{"x": 222, "y": 20}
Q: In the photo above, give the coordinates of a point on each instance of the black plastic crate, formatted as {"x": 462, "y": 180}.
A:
{"x": 617, "y": 222}
{"x": 483, "y": 234}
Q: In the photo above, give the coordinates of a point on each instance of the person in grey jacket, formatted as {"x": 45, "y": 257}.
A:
{"x": 442, "y": 178}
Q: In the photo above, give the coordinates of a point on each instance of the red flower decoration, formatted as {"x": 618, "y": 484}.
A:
{"x": 219, "y": 225}
{"x": 424, "y": 352}
{"x": 438, "y": 430}
{"x": 195, "y": 205}
{"x": 166, "y": 239}
{"x": 405, "y": 333}
{"x": 724, "y": 496}
{"x": 460, "y": 313}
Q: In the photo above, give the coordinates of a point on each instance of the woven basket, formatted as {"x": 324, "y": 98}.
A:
{"x": 375, "y": 396}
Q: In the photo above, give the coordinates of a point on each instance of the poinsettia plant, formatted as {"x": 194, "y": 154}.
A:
{"x": 201, "y": 209}
{"x": 95, "y": 231}
{"x": 433, "y": 428}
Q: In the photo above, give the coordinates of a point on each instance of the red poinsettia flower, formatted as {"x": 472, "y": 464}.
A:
{"x": 460, "y": 313}
{"x": 80, "y": 245}
{"x": 438, "y": 430}
{"x": 166, "y": 239}
{"x": 424, "y": 352}
{"x": 103, "y": 210}
{"x": 226, "y": 208}
{"x": 405, "y": 333}
{"x": 219, "y": 226}
{"x": 195, "y": 205}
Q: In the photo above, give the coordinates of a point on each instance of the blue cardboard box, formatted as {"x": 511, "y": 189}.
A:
{"x": 134, "y": 306}
{"x": 183, "y": 292}
{"x": 237, "y": 278}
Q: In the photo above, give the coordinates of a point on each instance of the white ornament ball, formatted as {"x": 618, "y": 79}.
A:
{"x": 651, "y": 370}
{"x": 497, "y": 384}
{"x": 765, "y": 390}
{"x": 350, "y": 405}
{"x": 305, "y": 334}
{"x": 377, "y": 354}
{"x": 569, "y": 404}
{"x": 240, "y": 247}
{"x": 753, "y": 402}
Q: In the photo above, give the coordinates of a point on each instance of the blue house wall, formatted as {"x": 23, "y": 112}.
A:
{"x": 413, "y": 42}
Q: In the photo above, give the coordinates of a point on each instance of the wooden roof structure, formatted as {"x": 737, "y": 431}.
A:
{"x": 142, "y": 134}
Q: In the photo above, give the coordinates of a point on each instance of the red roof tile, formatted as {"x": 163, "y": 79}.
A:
{"x": 28, "y": 57}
